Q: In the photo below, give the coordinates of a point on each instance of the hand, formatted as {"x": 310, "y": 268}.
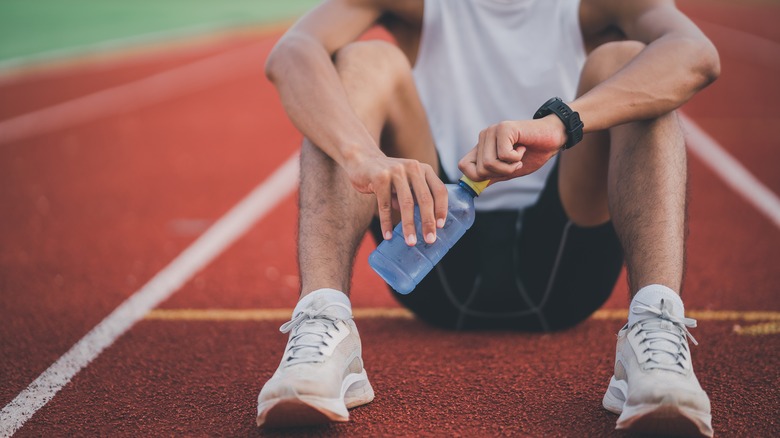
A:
{"x": 513, "y": 148}
{"x": 401, "y": 180}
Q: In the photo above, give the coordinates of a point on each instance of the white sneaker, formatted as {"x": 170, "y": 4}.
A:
{"x": 654, "y": 388}
{"x": 321, "y": 374}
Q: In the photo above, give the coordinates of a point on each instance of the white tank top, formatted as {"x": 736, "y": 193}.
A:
{"x": 485, "y": 61}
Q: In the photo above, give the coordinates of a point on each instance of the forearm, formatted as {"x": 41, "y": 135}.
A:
{"x": 314, "y": 98}
{"x": 665, "y": 75}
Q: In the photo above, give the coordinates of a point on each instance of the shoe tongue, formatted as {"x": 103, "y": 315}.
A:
{"x": 322, "y": 308}
{"x": 311, "y": 331}
{"x": 330, "y": 310}
{"x": 336, "y": 312}
{"x": 664, "y": 304}
{"x": 662, "y": 335}
{"x": 654, "y": 296}
{"x": 325, "y": 309}
{"x": 322, "y": 299}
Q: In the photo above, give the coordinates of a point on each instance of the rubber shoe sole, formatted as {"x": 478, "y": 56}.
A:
{"x": 305, "y": 410}
{"x": 665, "y": 418}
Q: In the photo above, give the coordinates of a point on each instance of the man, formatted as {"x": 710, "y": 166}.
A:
{"x": 386, "y": 124}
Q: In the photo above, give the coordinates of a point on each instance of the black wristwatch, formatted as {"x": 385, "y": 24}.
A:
{"x": 571, "y": 119}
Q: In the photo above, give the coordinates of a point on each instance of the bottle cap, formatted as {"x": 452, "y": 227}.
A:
{"x": 477, "y": 186}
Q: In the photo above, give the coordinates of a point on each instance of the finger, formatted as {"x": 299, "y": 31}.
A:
{"x": 505, "y": 143}
{"x": 519, "y": 165}
{"x": 490, "y": 166}
{"x": 480, "y": 168}
{"x": 499, "y": 169}
{"x": 424, "y": 198}
{"x": 468, "y": 165}
{"x": 384, "y": 198}
{"x": 440, "y": 196}
{"x": 494, "y": 167}
{"x": 406, "y": 205}
{"x": 489, "y": 147}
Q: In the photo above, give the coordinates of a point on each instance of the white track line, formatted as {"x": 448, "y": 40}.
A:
{"x": 208, "y": 246}
{"x": 706, "y": 149}
{"x": 190, "y": 78}
{"x": 115, "y": 44}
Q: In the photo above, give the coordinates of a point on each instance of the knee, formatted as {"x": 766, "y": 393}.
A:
{"x": 378, "y": 60}
{"x": 605, "y": 61}
{"x": 313, "y": 157}
{"x": 373, "y": 53}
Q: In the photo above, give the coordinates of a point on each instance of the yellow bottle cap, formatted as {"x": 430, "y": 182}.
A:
{"x": 477, "y": 186}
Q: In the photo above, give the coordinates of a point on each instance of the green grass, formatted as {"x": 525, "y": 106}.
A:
{"x": 29, "y": 27}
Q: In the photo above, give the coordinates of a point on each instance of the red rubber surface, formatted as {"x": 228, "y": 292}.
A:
{"x": 89, "y": 214}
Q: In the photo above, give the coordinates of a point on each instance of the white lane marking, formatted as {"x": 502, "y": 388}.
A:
{"x": 160, "y": 87}
{"x": 264, "y": 198}
{"x": 734, "y": 174}
{"x": 119, "y": 43}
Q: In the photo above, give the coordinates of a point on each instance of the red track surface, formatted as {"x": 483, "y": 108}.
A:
{"x": 89, "y": 214}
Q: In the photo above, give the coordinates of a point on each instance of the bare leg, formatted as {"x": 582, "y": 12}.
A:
{"x": 647, "y": 195}
{"x": 317, "y": 382}
{"x": 333, "y": 215}
{"x": 635, "y": 174}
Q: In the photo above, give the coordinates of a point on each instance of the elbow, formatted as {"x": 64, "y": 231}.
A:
{"x": 269, "y": 67}
{"x": 708, "y": 63}
{"x": 714, "y": 66}
{"x": 275, "y": 60}
{"x": 289, "y": 50}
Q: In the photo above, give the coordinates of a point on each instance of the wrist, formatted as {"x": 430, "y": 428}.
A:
{"x": 354, "y": 155}
{"x": 568, "y": 117}
{"x": 557, "y": 130}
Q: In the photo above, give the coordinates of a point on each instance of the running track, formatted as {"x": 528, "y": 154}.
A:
{"x": 94, "y": 210}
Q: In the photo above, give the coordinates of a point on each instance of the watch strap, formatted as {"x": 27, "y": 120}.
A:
{"x": 570, "y": 118}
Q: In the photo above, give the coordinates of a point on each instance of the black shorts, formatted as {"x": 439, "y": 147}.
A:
{"x": 531, "y": 270}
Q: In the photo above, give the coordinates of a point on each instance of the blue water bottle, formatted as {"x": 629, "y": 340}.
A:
{"x": 403, "y": 266}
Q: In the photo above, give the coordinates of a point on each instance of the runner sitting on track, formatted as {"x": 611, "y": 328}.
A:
{"x": 386, "y": 124}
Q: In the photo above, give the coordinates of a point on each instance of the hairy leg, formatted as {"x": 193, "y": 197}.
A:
{"x": 647, "y": 198}
{"x": 333, "y": 215}
{"x": 634, "y": 174}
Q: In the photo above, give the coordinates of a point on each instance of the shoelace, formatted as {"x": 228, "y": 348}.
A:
{"x": 663, "y": 336}
{"x": 310, "y": 329}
